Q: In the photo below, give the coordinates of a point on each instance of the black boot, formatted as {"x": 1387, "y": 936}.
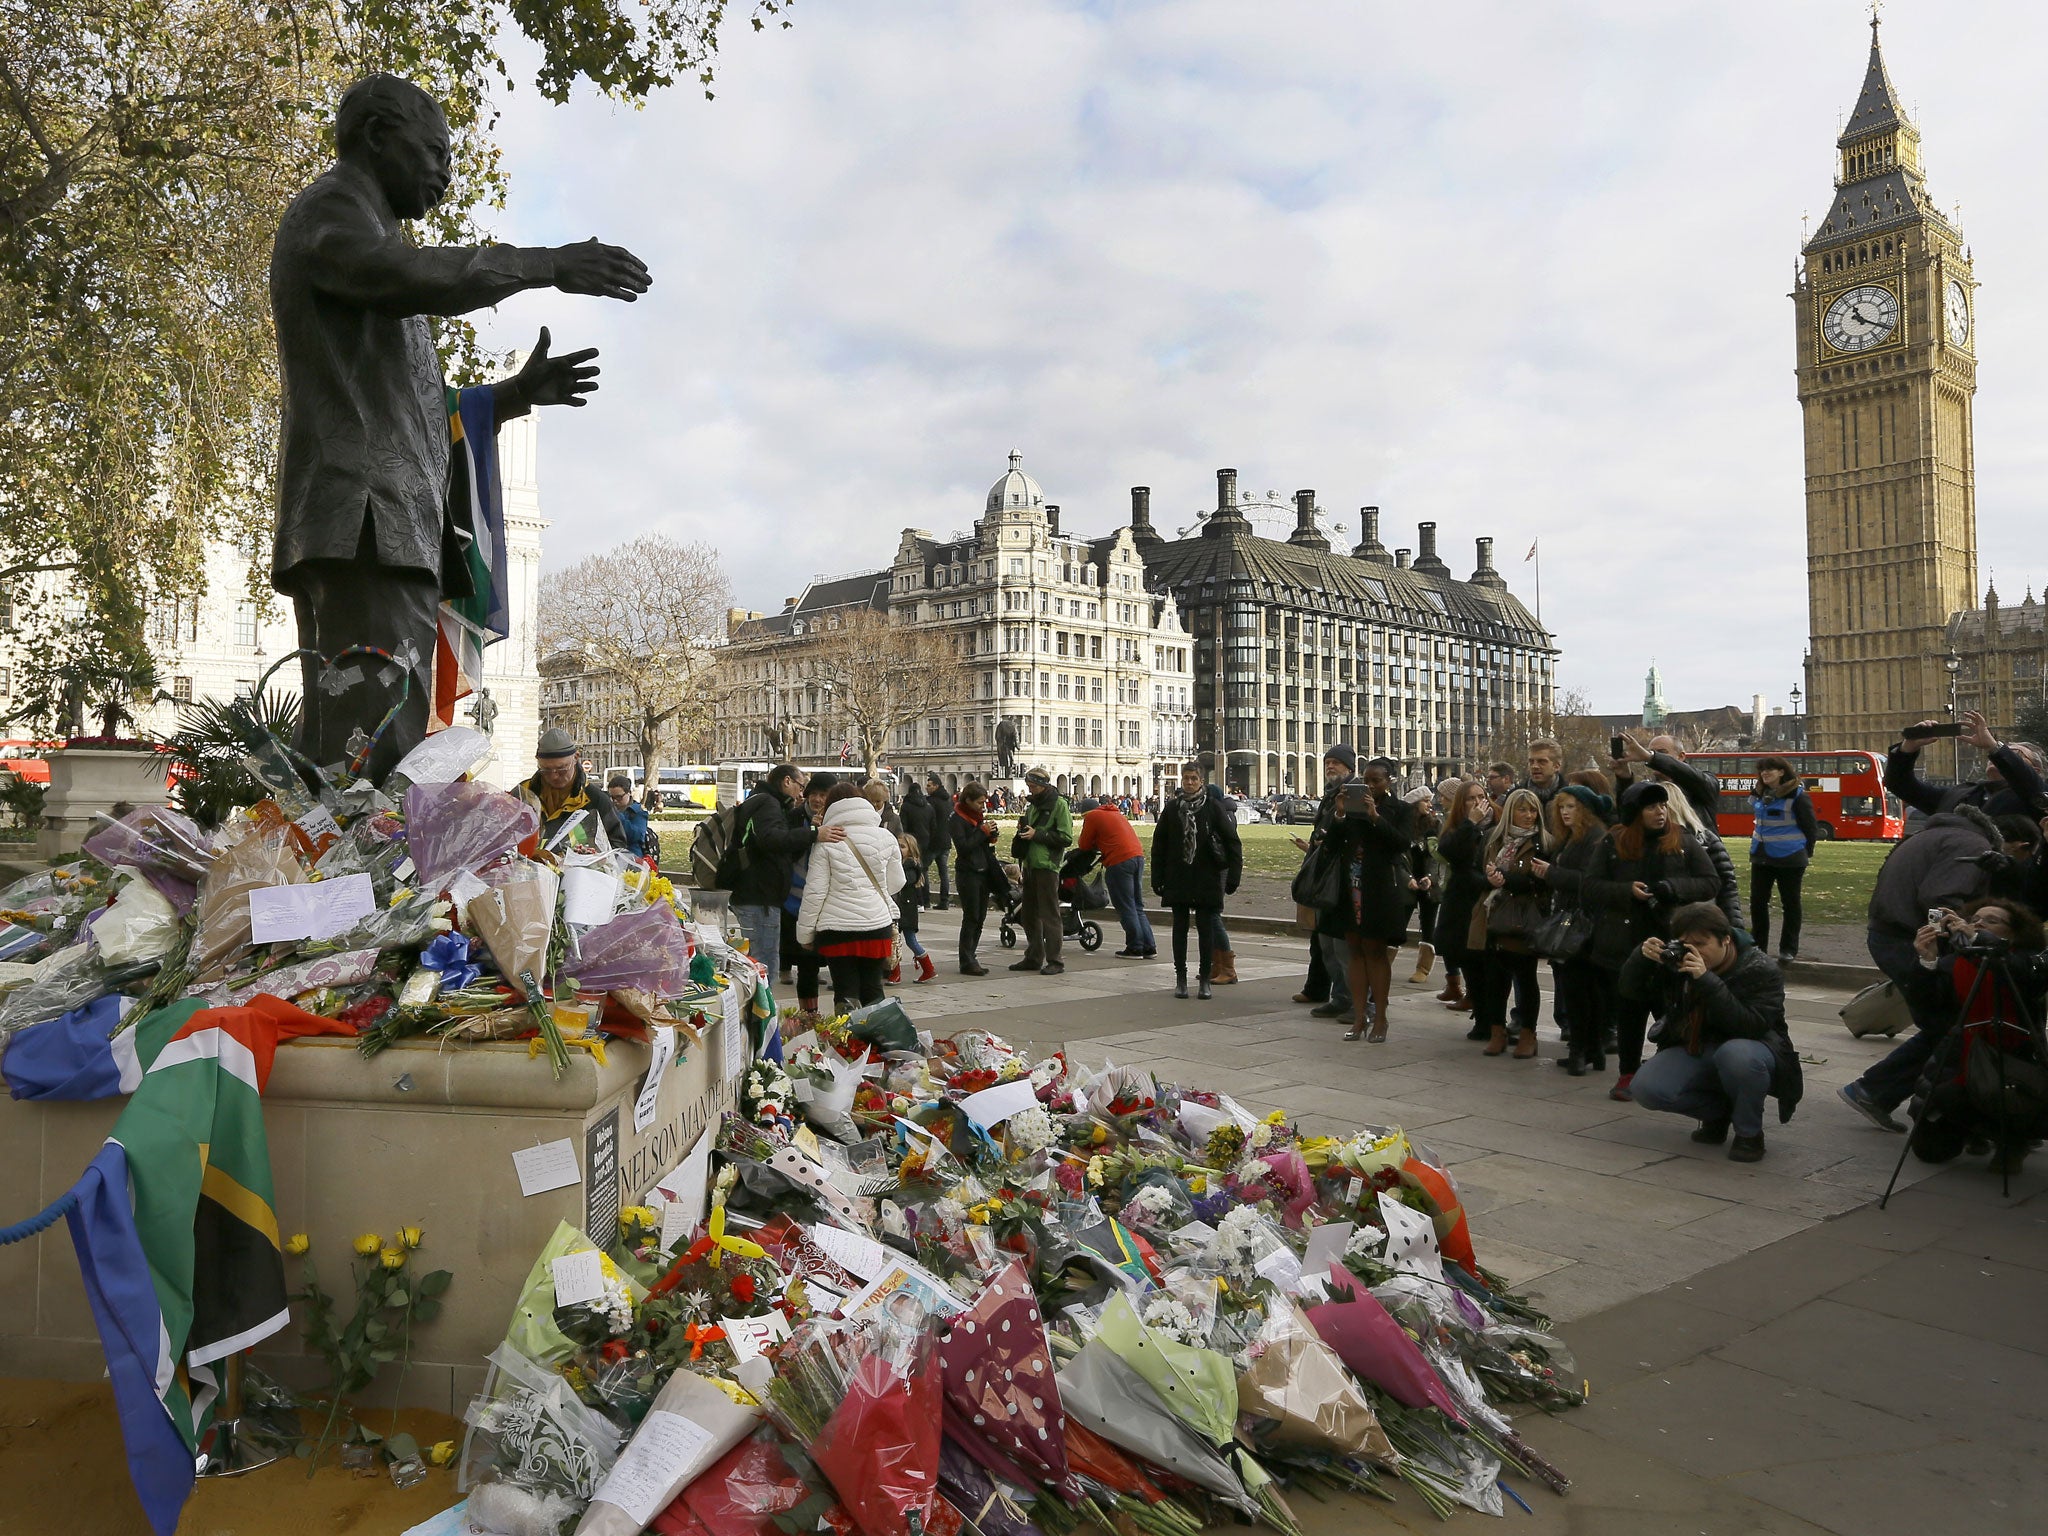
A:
{"x": 1180, "y": 983}
{"x": 1479, "y": 1032}
{"x": 1203, "y": 991}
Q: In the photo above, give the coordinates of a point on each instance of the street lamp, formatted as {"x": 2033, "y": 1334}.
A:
{"x": 1798, "y": 722}
{"x": 1955, "y": 743}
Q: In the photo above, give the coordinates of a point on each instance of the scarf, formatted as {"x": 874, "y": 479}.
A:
{"x": 1191, "y": 823}
{"x": 974, "y": 820}
{"x": 1514, "y": 842}
{"x": 554, "y": 802}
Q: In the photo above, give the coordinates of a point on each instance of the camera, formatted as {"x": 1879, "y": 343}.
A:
{"x": 1674, "y": 955}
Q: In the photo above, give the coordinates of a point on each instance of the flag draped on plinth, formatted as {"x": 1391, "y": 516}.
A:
{"x": 476, "y": 513}
{"x": 176, "y": 1230}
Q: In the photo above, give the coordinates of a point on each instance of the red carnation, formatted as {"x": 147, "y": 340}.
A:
{"x": 743, "y": 1288}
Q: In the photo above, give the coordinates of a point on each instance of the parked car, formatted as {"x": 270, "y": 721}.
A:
{"x": 1294, "y": 810}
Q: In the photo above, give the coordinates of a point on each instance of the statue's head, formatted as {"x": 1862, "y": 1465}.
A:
{"x": 396, "y": 132}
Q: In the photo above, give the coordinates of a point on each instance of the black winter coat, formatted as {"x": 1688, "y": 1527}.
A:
{"x": 1219, "y": 855}
{"x": 775, "y": 837}
{"x": 1379, "y": 847}
{"x": 1624, "y": 922}
{"x": 1746, "y": 1004}
{"x": 974, "y": 859}
{"x": 919, "y": 820}
{"x": 1463, "y": 850}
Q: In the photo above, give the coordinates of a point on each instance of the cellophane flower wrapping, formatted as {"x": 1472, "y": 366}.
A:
{"x": 166, "y": 848}
{"x": 690, "y": 1426}
{"x": 221, "y": 916}
{"x": 529, "y": 1430}
{"x": 140, "y": 925}
{"x": 1100, "y": 1391}
{"x": 532, "y": 1330}
{"x": 1001, "y": 1390}
{"x": 1197, "y": 1385}
{"x": 1299, "y": 1392}
{"x": 973, "y": 1489}
{"x": 880, "y": 1448}
{"x": 743, "y": 1493}
{"x": 647, "y": 950}
{"x": 1369, "y": 1341}
{"x": 461, "y": 826}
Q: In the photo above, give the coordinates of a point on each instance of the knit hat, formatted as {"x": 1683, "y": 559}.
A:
{"x": 1591, "y": 799}
{"x": 1636, "y": 796}
{"x": 1419, "y": 796}
{"x": 1082, "y": 808}
{"x": 1341, "y": 752}
{"x": 555, "y": 742}
{"x": 1037, "y": 774}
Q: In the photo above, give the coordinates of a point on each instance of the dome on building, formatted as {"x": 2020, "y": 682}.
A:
{"x": 1016, "y": 491}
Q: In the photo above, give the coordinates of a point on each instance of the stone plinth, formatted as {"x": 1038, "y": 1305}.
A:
{"x": 419, "y": 1135}
{"x": 87, "y": 780}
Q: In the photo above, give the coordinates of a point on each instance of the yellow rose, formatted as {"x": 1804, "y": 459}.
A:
{"x": 368, "y": 1244}
{"x": 410, "y": 1237}
{"x": 442, "y": 1453}
{"x": 297, "y": 1244}
{"x": 394, "y": 1258}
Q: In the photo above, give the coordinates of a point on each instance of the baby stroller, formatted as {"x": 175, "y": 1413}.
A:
{"x": 1077, "y": 890}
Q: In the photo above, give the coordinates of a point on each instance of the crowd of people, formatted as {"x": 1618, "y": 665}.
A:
{"x": 1614, "y": 879}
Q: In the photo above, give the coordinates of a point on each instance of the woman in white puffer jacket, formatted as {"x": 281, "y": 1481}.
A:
{"x": 849, "y": 900}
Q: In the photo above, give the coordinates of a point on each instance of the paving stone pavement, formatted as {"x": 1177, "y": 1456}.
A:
{"x": 1768, "y": 1351}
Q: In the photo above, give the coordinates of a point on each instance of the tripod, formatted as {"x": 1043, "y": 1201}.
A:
{"x": 1995, "y": 965}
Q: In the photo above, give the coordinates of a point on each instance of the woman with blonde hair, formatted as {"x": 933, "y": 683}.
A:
{"x": 1468, "y": 813}
{"x": 1504, "y": 921}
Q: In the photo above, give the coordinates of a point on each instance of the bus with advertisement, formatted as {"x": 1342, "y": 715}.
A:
{"x": 1846, "y": 788}
{"x": 691, "y": 787}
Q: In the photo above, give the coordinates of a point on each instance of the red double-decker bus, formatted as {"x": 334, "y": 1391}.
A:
{"x": 1847, "y": 790}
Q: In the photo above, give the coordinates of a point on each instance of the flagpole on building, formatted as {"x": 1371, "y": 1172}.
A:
{"x": 1535, "y": 554}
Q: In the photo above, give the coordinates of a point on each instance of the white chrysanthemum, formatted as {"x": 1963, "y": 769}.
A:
{"x": 1237, "y": 1236}
{"x": 1171, "y": 1317}
{"x": 1365, "y": 1243}
{"x": 1151, "y": 1202}
{"x": 1028, "y": 1131}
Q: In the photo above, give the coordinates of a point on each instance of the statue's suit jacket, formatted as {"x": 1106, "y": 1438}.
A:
{"x": 365, "y": 411}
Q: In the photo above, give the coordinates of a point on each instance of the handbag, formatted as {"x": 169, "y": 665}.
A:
{"x": 1319, "y": 883}
{"x": 895, "y": 932}
{"x": 1514, "y": 916}
{"x": 1879, "y": 1009}
{"x": 1566, "y": 934}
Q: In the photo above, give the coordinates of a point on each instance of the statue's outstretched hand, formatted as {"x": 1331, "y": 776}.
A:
{"x": 609, "y": 271}
{"x": 549, "y": 380}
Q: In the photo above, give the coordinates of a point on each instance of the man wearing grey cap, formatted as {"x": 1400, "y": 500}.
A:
{"x": 559, "y": 789}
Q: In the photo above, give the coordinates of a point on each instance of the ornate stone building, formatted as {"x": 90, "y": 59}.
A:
{"x": 1886, "y": 344}
{"x": 2000, "y": 657}
{"x": 1297, "y": 646}
{"x": 1055, "y": 634}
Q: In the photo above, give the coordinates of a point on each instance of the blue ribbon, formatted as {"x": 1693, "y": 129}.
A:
{"x": 449, "y": 954}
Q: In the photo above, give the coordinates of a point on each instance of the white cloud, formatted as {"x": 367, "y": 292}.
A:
{"x": 1518, "y": 269}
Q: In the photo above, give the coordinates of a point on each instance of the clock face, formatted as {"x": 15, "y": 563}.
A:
{"x": 1861, "y": 318}
{"x": 1958, "y": 312}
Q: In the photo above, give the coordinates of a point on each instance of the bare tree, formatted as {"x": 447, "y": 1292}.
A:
{"x": 885, "y": 676}
{"x": 1571, "y": 724}
{"x": 1698, "y": 736}
{"x": 645, "y": 614}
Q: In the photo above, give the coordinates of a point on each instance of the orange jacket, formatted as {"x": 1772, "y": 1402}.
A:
{"x": 1105, "y": 830}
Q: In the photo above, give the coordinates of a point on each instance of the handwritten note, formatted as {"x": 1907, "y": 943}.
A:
{"x": 589, "y": 896}
{"x": 661, "y": 1453}
{"x": 735, "y": 1031}
{"x": 684, "y": 1192}
{"x": 644, "y": 1107}
{"x": 578, "y": 1277}
{"x": 445, "y": 755}
{"x": 1282, "y": 1268}
{"x": 316, "y": 911}
{"x": 992, "y": 1106}
{"x": 857, "y": 1255}
{"x": 551, "y": 1165}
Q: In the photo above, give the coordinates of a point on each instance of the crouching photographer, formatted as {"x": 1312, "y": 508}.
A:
{"x": 1722, "y": 1048}
{"x": 1985, "y": 1086}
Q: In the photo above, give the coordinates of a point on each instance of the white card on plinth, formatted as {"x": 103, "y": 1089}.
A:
{"x": 578, "y": 1277}
{"x": 661, "y": 1452}
{"x": 686, "y": 1192}
{"x": 551, "y": 1165}
{"x": 445, "y": 756}
{"x": 735, "y": 1032}
{"x": 589, "y": 896}
{"x": 855, "y": 1254}
{"x": 1281, "y": 1267}
{"x": 319, "y": 910}
{"x": 992, "y": 1106}
{"x": 650, "y": 1092}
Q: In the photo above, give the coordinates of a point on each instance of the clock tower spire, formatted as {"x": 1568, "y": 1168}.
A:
{"x": 1886, "y": 347}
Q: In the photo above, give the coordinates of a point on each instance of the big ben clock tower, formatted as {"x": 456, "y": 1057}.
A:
{"x": 1887, "y": 368}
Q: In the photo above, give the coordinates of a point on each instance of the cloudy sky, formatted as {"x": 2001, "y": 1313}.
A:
{"x": 1521, "y": 269}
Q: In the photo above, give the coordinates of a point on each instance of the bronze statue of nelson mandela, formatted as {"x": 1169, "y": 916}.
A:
{"x": 365, "y": 548}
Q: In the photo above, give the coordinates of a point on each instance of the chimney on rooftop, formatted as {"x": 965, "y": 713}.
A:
{"x": 1143, "y": 534}
{"x": 1486, "y": 575}
{"x": 1427, "y": 560}
{"x": 1369, "y": 545}
{"x": 1306, "y": 534}
{"x": 1226, "y": 517}
{"x": 1052, "y": 519}
{"x": 1401, "y": 559}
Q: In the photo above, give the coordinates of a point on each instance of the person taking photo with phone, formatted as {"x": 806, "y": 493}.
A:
{"x": 2012, "y": 771}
